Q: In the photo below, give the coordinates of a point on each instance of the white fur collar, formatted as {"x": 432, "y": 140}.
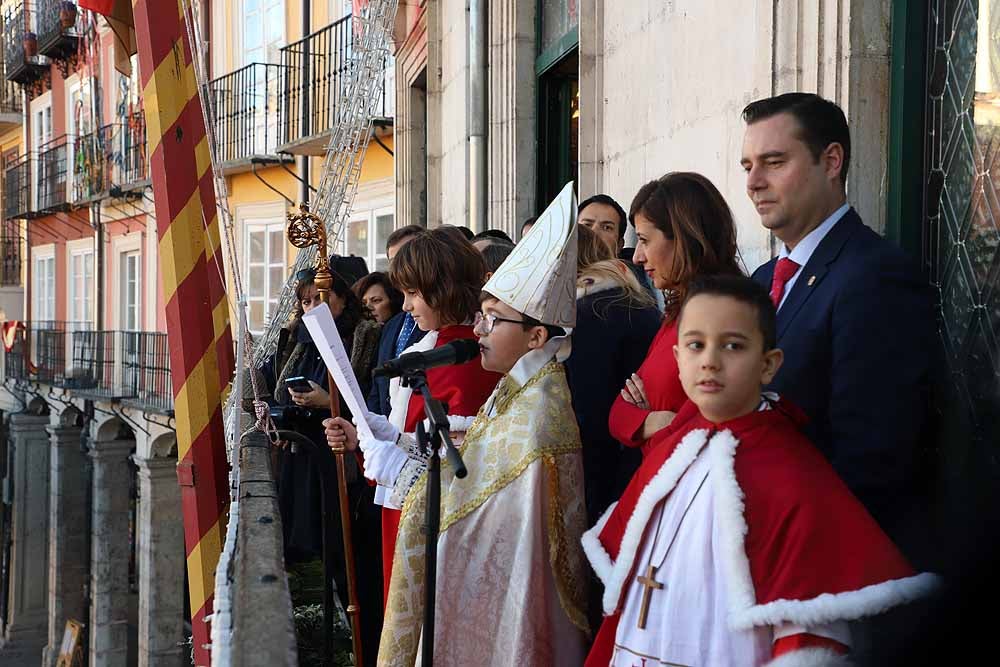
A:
{"x": 744, "y": 612}
{"x": 399, "y": 396}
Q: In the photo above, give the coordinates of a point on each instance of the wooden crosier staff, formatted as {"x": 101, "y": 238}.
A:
{"x": 304, "y": 230}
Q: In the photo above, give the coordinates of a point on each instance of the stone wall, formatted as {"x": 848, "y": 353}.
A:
{"x": 663, "y": 84}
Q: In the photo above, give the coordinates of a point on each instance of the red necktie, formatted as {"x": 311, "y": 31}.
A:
{"x": 783, "y": 272}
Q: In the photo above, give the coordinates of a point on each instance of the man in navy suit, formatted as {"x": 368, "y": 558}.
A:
{"x": 855, "y": 317}
{"x": 398, "y": 333}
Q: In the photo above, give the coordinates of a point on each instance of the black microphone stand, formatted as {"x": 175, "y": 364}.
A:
{"x": 430, "y": 443}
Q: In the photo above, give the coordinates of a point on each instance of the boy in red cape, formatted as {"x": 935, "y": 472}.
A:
{"x": 736, "y": 543}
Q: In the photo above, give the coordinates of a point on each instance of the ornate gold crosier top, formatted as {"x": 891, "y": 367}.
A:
{"x": 306, "y": 229}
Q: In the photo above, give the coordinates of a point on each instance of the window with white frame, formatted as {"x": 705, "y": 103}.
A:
{"x": 366, "y": 236}
{"x": 129, "y": 287}
{"x": 264, "y": 251}
{"x": 81, "y": 285}
{"x": 41, "y": 134}
{"x": 43, "y": 286}
{"x": 263, "y": 30}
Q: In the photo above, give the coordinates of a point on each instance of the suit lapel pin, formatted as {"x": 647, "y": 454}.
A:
{"x": 812, "y": 279}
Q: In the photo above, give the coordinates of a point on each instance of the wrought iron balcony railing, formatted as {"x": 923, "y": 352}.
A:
{"x": 17, "y": 189}
{"x": 15, "y": 361}
{"x": 10, "y": 99}
{"x": 148, "y": 384}
{"x": 10, "y": 253}
{"x": 49, "y": 348}
{"x": 51, "y": 171}
{"x": 57, "y": 34}
{"x": 99, "y": 366}
{"x": 110, "y": 161}
{"x": 20, "y": 45}
{"x": 246, "y": 114}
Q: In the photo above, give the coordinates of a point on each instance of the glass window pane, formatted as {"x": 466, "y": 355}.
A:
{"x": 383, "y": 226}
{"x": 251, "y": 5}
{"x": 256, "y": 315}
{"x": 275, "y": 24}
{"x": 357, "y": 238}
{"x": 277, "y": 280}
{"x": 253, "y": 34}
{"x": 382, "y": 263}
{"x": 256, "y": 246}
{"x": 277, "y": 246}
{"x": 257, "y": 281}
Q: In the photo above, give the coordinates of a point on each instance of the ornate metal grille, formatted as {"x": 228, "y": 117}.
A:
{"x": 962, "y": 240}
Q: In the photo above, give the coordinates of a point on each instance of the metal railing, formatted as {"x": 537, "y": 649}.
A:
{"x": 49, "y": 348}
{"x": 246, "y": 111}
{"x": 51, "y": 171}
{"x": 317, "y": 66}
{"x": 10, "y": 254}
{"x": 17, "y": 188}
{"x": 15, "y": 362}
{"x": 21, "y": 66}
{"x": 110, "y": 160}
{"x": 146, "y": 360}
{"x": 10, "y": 96}
{"x": 57, "y": 34}
{"x": 97, "y": 365}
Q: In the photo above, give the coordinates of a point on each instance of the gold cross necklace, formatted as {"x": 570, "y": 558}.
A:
{"x": 647, "y": 580}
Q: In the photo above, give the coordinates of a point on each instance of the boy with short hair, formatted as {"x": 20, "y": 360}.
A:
{"x": 511, "y": 580}
{"x": 736, "y": 543}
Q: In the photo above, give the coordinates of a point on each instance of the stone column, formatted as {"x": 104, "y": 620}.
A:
{"x": 28, "y": 485}
{"x": 68, "y": 484}
{"x": 161, "y": 564}
{"x": 109, "y": 553}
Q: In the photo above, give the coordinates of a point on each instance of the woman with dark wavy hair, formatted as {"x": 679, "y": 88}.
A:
{"x": 685, "y": 230}
{"x": 380, "y": 299}
{"x": 440, "y": 275}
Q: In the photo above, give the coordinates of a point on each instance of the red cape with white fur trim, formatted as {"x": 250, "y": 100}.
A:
{"x": 801, "y": 548}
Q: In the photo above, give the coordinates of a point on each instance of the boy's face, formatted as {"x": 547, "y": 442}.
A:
{"x": 508, "y": 341}
{"x": 721, "y": 357}
{"x": 425, "y": 317}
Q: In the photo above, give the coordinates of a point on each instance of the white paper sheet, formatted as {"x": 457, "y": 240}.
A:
{"x": 322, "y": 328}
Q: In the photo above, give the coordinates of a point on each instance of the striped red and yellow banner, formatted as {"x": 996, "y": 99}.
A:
{"x": 197, "y": 314}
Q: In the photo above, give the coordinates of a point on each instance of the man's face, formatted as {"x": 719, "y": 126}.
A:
{"x": 791, "y": 190}
{"x": 721, "y": 358}
{"x": 508, "y": 341}
{"x": 392, "y": 250}
{"x": 604, "y": 221}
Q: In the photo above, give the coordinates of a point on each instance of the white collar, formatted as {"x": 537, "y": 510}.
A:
{"x": 807, "y": 246}
{"x": 532, "y": 362}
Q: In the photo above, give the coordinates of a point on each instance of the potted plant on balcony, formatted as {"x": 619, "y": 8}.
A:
{"x": 67, "y": 14}
{"x": 30, "y": 41}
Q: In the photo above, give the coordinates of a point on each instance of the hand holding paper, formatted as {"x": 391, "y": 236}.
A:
{"x": 322, "y": 328}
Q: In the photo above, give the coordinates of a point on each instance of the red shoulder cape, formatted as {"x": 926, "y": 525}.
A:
{"x": 802, "y": 549}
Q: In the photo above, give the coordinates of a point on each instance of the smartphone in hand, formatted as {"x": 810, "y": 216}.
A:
{"x": 299, "y": 384}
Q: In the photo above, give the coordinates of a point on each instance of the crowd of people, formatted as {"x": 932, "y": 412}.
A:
{"x": 673, "y": 458}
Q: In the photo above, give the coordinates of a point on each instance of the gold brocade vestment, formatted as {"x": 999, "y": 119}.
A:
{"x": 511, "y": 587}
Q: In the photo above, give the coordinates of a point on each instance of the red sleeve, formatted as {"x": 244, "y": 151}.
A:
{"x": 625, "y": 422}
{"x": 804, "y": 640}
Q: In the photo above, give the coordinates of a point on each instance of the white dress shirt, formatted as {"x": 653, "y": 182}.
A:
{"x": 807, "y": 246}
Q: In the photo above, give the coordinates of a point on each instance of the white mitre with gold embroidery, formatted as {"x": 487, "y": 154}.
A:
{"x": 539, "y": 277}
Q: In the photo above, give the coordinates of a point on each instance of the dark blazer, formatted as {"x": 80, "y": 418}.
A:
{"x": 859, "y": 339}
{"x": 610, "y": 342}
{"x": 378, "y": 395}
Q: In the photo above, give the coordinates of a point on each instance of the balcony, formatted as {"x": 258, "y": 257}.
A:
{"x": 148, "y": 383}
{"x": 11, "y": 108}
{"x": 98, "y": 365}
{"x": 111, "y": 162}
{"x": 49, "y": 348}
{"x": 318, "y": 68}
{"x": 10, "y": 254}
{"x": 15, "y": 361}
{"x": 20, "y": 47}
{"x": 57, "y": 34}
{"x": 246, "y": 116}
{"x": 51, "y": 171}
{"x": 17, "y": 189}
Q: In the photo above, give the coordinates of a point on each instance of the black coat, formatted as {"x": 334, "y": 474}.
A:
{"x": 610, "y": 342}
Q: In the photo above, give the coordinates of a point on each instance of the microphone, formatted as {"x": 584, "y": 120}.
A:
{"x": 456, "y": 352}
